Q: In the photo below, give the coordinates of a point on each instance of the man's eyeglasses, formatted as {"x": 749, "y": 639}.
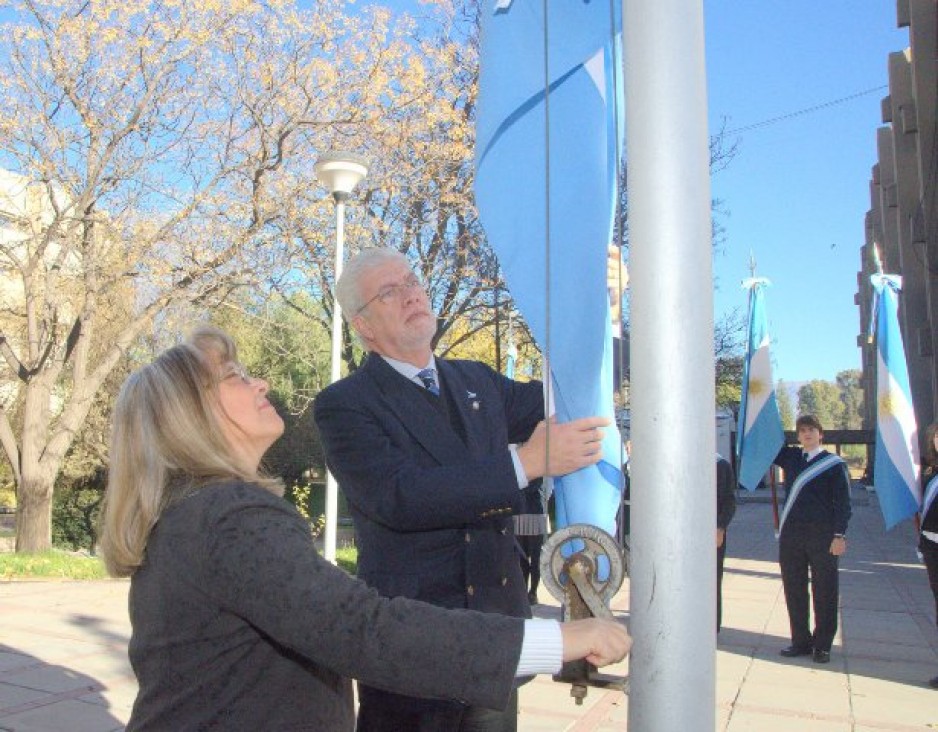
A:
{"x": 394, "y": 292}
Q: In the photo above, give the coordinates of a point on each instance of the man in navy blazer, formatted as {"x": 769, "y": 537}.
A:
{"x": 432, "y": 456}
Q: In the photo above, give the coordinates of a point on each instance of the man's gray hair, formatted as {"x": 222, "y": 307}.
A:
{"x": 348, "y": 290}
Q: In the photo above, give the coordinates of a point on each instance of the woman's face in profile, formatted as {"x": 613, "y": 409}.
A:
{"x": 249, "y": 421}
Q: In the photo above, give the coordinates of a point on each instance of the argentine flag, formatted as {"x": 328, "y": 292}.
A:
{"x": 759, "y": 434}
{"x": 546, "y": 142}
{"x": 512, "y": 358}
{"x": 896, "y": 468}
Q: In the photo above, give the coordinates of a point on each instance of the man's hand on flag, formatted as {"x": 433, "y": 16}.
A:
{"x": 558, "y": 449}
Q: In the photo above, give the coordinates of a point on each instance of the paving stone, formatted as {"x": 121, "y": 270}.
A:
{"x": 63, "y": 665}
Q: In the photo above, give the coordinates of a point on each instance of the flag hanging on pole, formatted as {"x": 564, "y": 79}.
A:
{"x": 896, "y": 466}
{"x": 759, "y": 434}
{"x": 546, "y": 142}
{"x": 512, "y": 358}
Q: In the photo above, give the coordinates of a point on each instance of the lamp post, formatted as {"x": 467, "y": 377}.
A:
{"x": 340, "y": 172}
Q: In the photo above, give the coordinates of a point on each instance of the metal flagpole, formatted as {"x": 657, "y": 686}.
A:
{"x": 673, "y": 569}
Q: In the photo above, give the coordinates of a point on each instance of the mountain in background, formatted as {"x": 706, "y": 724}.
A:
{"x": 792, "y": 388}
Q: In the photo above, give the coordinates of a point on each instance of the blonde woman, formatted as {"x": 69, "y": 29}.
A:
{"x": 238, "y": 624}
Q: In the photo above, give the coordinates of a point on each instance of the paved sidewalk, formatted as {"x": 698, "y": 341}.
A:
{"x": 63, "y": 664}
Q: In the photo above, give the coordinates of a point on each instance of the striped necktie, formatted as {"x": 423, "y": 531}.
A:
{"x": 428, "y": 377}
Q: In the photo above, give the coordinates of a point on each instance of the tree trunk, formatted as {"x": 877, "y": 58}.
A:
{"x": 34, "y": 514}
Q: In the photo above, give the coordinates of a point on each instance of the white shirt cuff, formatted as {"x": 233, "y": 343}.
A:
{"x": 519, "y": 469}
{"x": 542, "y": 649}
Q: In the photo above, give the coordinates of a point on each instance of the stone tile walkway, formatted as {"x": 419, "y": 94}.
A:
{"x": 63, "y": 664}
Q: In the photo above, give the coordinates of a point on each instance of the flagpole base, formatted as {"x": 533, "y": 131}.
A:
{"x": 583, "y": 567}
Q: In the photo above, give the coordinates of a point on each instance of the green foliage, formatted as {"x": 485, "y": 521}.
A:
{"x": 855, "y": 457}
{"x": 279, "y": 343}
{"x": 75, "y": 510}
{"x": 347, "y": 558}
{"x": 822, "y": 399}
{"x": 784, "y": 406}
{"x": 297, "y": 456}
{"x": 300, "y": 495}
{"x": 61, "y": 565}
{"x": 87, "y": 455}
{"x": 851, "y": 395}
{"x": 309, "y": 500}
{"x": 7, "y": 496}
{"x": 728, "y": 341}
{"x": 729, "y": 380}
{"x": 837, "y": 406}
{"x": 50, "y": 564}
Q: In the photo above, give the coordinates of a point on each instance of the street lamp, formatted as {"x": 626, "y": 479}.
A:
{"x": 340, "y": 172}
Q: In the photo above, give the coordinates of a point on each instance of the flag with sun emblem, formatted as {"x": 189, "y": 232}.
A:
{"x": 759, "y": 434}
{"x": 547, "y": 134}
{"x": 896, "y": 467}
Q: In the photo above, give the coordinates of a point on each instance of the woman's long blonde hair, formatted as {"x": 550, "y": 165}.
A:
{"x": 166, "y": 441}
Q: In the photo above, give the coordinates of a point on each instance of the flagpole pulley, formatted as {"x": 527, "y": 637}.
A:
{"x": 583, "y": 567}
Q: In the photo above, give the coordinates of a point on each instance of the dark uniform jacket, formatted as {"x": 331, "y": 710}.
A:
{"x": 825, "y": 499}
{"x": 239, "y": 626}
{"x": 726, "y": 492}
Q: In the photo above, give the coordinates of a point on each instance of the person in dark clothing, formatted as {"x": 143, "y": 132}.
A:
{"x": 432, "y": 455}
{"x": 928, "y": 540}
{"x": 530, "y": 528}
{"x": 238, "y": 624}
{"x": 812, "y": 536}
{"x": 726, "y": 509}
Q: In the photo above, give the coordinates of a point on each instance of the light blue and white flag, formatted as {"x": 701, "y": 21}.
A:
{"x": 546, "y": 143}
{"x": 512, "y": 358}
{"x": 896, "y": 467}
{"x": 759, "y": 433}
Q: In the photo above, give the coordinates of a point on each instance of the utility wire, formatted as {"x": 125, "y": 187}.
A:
{"x": 808, "y": 110}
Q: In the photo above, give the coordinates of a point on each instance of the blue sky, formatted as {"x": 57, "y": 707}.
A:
{"x": 797, "y": 192}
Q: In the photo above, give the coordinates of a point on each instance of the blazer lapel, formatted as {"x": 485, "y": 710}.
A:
{"x": 427, "y": 424}
{"x": 464, "y": 399}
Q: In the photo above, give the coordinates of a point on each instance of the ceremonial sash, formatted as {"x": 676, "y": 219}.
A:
{"x": 931, "y": 490}
{"x": 810, "y": 473}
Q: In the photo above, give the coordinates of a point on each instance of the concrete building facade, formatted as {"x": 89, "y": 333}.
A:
{"x": 902, "y": 222}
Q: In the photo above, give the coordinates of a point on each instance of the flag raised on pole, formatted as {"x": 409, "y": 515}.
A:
{"x": 759, "y": 434}
{"x": 896, "y": 467}
{"x": 546, "y": 141}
